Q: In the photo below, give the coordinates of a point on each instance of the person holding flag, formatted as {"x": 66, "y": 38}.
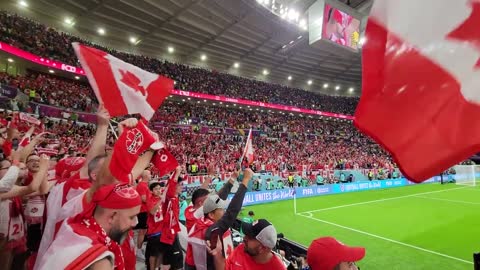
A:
{"x": 129, "y": 90}
{"x": 163, "y": 225}
{"x": 215, "y": 224}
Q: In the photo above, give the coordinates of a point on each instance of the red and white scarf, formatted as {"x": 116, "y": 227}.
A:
{"x": 112, "y": 246}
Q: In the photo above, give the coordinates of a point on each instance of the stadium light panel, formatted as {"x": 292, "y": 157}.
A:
{"x": 101, "y": 31}
{"x": 293, "y": 15}
{"x": 265, "y": 72}
{"x": 302, "y": 22}
{"x": 189, "y": 98}
{"x": 299, "y": 37}
{"x": 170, "y": 49}
{"x": 23, "y": 3}
{"x": 77, "y": 78}
{"x": 10, "y": 60}
{"x": 310, "y": 82}
{"x": 174, "y": 82}
{"x": 183, "y": 100}
{"x": 325, "y": 85}
{"x": 204, "y": 100}
{"x": 236, "y": 65}
{"x": 289, "y": 78}
{"x": 351, "y": 89}
{"x": 69, "y": 21}
{"x": 51, "y": 71}
{"x": 337, "y": 87}
{"x": 284, "y": 46}
{"x": 132, "y": 40}
{"x": 291, "y": 42}
{"x": 203, "y": 57}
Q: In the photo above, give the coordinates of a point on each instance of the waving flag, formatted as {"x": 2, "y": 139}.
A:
{"x": 122, "y": 88}
{"x": 421, "y": 83}
{"x": 248, "y": 151}
{"x": 164, "y": 161}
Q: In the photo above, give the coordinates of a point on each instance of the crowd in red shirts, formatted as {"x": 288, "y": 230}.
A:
{"x": 284, "y": 141}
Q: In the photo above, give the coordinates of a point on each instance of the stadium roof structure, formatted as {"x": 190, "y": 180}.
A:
{"x": 224, "y": 31}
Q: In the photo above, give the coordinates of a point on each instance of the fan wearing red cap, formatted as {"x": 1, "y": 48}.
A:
{"x": 327, "y": 253}
{"x": 92, "y": 239}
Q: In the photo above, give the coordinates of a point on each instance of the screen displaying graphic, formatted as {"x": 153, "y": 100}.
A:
{"x": 340, "y": 28}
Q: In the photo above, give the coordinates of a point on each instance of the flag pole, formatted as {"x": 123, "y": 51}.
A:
{"x": 113, "y": 130}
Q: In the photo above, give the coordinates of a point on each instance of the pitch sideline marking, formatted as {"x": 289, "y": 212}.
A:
{"x": 386, "y": 239}
{"x": 447, "y": 200}
{"x": 380, "y": 200}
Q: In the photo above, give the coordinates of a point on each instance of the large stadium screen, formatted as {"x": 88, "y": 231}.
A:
{"x": 340, "y": 28}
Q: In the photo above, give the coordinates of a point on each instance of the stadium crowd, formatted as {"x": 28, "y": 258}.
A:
{"x": 285, "y": 141}
{"x": 51, "y": 90}
{"x": 80, "y": 206}
{"x": 50, "y": 43}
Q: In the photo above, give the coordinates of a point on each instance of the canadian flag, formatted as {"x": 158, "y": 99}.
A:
{"x": 122, "y": 88}
{"x": 421, "y": 82}
{"x": 248, "y": 151}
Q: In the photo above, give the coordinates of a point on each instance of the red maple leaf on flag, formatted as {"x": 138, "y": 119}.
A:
{"x": 132, "y": 81}
{"x": 229, "y": 250}
{"x": 468, "y": 30}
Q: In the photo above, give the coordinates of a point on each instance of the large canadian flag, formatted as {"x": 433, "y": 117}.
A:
{"x": 122, "y": 88}
{"x": 421, "y": 83}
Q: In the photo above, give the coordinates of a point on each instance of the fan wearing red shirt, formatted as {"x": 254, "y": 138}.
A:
{"x": 144, "y": 191}
{"x": 194, "y": 211}
{"x": 155, "y": 223}
{"x": 255, "y": 253}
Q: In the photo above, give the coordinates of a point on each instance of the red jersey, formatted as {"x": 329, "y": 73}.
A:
{"x": 142, "y": 189}
{"x": 190, "y": 218}
{"x": 128, "y": 251}
{"x": 239, "y": 260}
{"x": 171, "y": 212}
{"x": 154, "y": 222}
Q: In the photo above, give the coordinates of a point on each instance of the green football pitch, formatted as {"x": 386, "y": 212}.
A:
{"x": 429, "y": 226}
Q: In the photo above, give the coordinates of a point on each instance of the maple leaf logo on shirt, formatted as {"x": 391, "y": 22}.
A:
{"x": 132, "y": 81}
{"x": 468, "y": 30}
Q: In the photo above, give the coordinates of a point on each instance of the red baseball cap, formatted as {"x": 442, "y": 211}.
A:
{"x": 327, "y": 252}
